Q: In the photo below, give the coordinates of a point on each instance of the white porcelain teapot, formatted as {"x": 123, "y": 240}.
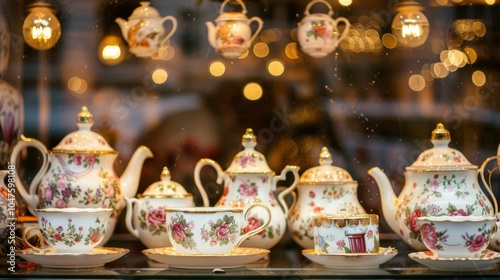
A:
{"x": 440, "y": 182}
{"x": 144, "y": 31}
{"x": 249, "y": 180}
{"x": 146, "y": 220}
{"x": 323, "y": 189}
{"x": 318, "y": 33}
{"x": 79, "y": 172}
{"x": 232, "y": 35}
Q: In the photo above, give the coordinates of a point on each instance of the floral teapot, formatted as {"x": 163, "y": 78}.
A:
{"x": 318, "y": 34}
{"x": 232, "y": 36}
{"x": 79, "y": 173}
{"x": 146, "y": 221}
{"x": 324, "y": 189}
{"x": 144, "y": 31}
{"x": 250, "y": 180}
{"x": 440, "y": 182}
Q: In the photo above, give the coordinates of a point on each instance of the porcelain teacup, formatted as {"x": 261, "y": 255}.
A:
{"x": 70, "y": 230}
{"x": 346, "y": 234}
{"x": 212, "y": 230}
{"x": 457, "y": 236}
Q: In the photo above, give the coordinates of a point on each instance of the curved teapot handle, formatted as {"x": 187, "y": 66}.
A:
{"x": 346, "y": 29}
{"x": 281, "y": 197}
{"x": 243, "y": 7}
{"x": 308, "y": 7}
{"x": 488, "y": 184}
{"x": 30, "y": 196}
{"x": 202, "y": 162}
{"x": 174, "y": 28}
{"x": 130, "y": 214}
{"x": 260, "y": 24}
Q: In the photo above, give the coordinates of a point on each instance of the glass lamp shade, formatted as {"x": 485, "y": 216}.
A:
{"x": 41, "y": 28}
{"x": 410, "y": 26}
{"x": 111, "y": 50}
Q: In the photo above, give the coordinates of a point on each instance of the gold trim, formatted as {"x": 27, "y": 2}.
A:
{"x": 204, "y": 210}
{"x": 95, "y": 152}
{"x": 174, "y": 195}
{"x": 341, "y": 221}
{"x": 250, "y": 172}
{"x": 443, "y": 169}
{"x": 327, "y": 183}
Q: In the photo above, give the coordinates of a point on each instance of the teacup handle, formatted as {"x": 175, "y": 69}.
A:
{"x": 174, "y": 28}
{"x": 488, "y": 184}
{"x": 26, "y": 239}
{"x": 130, "y": 214}
{"x": 330, "y": 10}
{"x": 256, "y": 230}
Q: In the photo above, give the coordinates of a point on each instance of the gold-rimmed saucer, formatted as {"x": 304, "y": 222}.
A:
{"x": 488, "y": 259}
{"x": 239, "y": 257}
{"x": 97, "y": 258}
{"x": 351, "y": 261}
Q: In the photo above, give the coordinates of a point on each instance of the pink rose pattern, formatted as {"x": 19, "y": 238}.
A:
{"x": 221, "y": 232}
{"x": 181, "y": 232}
{"x": 152, "y": 219}
{"x": 9, "y": 121}
{"x": 70, "y": 235}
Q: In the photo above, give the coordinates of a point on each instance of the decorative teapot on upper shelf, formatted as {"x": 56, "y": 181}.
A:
{"x": 144, "y": 31}
{"x": 232, "y": 36}
{"x": 440, "y": 182}
{"x": 79, "y": 173}
{"x": 146, "y": 221}
{"x": 324, "y": 189}
{"x": 318, "y": 33}
{"x": 250, "y": 180}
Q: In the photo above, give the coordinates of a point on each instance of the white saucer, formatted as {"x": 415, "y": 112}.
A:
{"x": 239, "y": 257}
{"x": 97, "y": 258}
{"x": 488, "y": 258}
{"x": 350, "y": 261}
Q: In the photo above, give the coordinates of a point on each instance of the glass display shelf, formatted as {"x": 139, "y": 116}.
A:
{"x": 284, "y": 262}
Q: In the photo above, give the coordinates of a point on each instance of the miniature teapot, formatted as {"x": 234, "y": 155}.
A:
{"x": 144, "y": 31}
{"x": 79, "y": 173}
{"x": 232, "y": 36}
{"x": 318, "y": 34}
{"x": 250, "y": 180}
{"x": 440, "y": 182}
{"x": 146, "y": 221}
{"x": 324, "y": 189}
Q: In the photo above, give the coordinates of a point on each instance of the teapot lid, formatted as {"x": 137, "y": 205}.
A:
{"x": 165, "y": 188}
{"x": 440, "y": 157}
{"x": 325, "y": 173}
{"x": 145, "y": 11}
{"x": 249, "y": 160}
{"x": 84, "y": 139}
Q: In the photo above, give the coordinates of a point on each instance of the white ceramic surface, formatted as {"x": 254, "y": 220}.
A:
{"x": 211, "y": 230}
{"x": 239, "y": 257}
{"x": 97, "y": 258}
{"x": 487, "y": 259}
{"x": 350, "y": 261}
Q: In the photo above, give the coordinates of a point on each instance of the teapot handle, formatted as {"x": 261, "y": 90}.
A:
{"x": 174, "y": 28}
{"x": 243, "y": 7}
{"x": 330, "y": 10}
{"x": 259, "y": 28}
{"x": 202, "y": 162}
{"x": 30, "y": 196}
{"x": 130, "y": 214}
{"x": 346, "y": 29}
{"x": 488, "y": 184}
{"x": 281, "y": 197}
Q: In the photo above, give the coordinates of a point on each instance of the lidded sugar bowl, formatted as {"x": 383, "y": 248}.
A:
{"x": 249, "y": 180}
{"x": 323, "y": 189}
{"x": 145, "y": 216}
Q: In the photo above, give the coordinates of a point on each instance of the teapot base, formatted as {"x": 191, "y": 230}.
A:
{"x": 231, "y": 51}
{"x": 318, "y": 51}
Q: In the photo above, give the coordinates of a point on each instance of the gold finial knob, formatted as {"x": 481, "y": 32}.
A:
{"x": 249, "y": 140}
{"x": 84, "y": 116}
{"x": 165, "y": 174}
{"x": 440, "y": 133}
{"x": 325, "y": 158}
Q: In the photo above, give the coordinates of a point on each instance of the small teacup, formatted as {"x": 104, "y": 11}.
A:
{"x": 457, "y": 236}
{"x": 210, "y": 230}
{"x": 345, "y": 234}
{"x": 70, "y": 230}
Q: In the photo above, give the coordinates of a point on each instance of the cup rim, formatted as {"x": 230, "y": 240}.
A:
{"x": 457, "y": 219}
{"x": 73, "y": 210}
{"x": 204, "y": 210}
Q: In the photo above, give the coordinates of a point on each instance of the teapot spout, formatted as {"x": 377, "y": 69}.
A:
{"x": 130, "y": 177}
{"x": 211, "y": 34}
{"x": 123, "y": 27}
{"x": 389, "y": 199}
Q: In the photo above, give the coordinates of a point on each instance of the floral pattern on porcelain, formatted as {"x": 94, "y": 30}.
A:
{"x": 70, "y": 234}
{"x": 10, "y": 118}
{"x": 59, "y": 189}
{"x": 245, "y": 160}
{"x": 152, "y": 219}
{"x": 221, "y": 232}
{"x": 255, "y": 222}
{"x": 227, "y": 37}
{"x": 319, "y": 29}
{"x": 182, "y": 232}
